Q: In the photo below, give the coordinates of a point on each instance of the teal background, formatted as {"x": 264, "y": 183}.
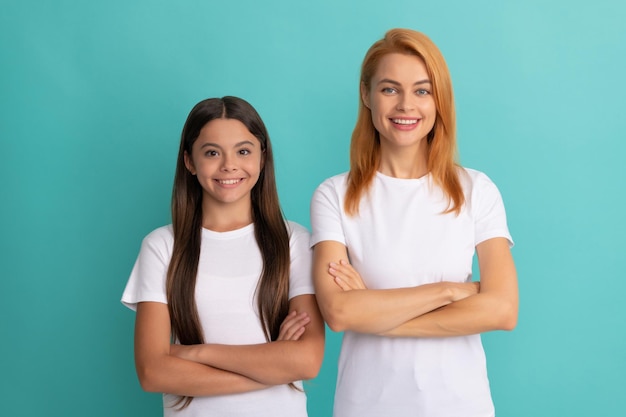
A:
{"x": 93, "y": 96}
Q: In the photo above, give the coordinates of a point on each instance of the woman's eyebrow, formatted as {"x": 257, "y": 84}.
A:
{"x": 393, "y": 82}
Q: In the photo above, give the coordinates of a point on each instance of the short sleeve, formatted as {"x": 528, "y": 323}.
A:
{"x": 488, "y": 211}
{"x": 326, "y": 211}
{"x": 300, "y": 271}
{"x": 148, "y": 276}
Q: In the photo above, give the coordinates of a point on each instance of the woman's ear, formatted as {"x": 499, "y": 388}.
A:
{"x": 189, "y": 163}
{"x": 365, "y": 96}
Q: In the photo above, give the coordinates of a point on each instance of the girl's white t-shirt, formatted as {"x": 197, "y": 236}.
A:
{"x": 228, "y": 273}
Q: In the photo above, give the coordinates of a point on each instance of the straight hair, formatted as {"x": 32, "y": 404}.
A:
{"x": 441, "y": 150}
{"x": 270, "y": 229}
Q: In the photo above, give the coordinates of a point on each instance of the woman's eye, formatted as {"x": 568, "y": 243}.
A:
{"x": 422, "y": 92}
{"x": 388, "y": 90}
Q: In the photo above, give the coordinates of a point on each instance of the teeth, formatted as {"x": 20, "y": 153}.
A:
{"x": 229, "y": 182}
{"x": 404, "y": 121}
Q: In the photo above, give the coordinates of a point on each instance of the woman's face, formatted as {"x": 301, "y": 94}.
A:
{"x": 227, "y": 160}
{"x": 401, "y": 101}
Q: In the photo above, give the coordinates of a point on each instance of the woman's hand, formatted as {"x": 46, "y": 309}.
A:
{"x": 346, "y": 277}
{"x": 293, "y": 326}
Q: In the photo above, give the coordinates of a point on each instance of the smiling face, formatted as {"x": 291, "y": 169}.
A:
{"x": 227, "y": 160}
{"x": 401, "y": 102}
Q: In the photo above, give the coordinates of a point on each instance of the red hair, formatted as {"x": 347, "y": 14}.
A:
{"x": 441, "y": 141}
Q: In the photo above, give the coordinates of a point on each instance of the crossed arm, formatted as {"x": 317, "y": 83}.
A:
{"x": 430, "y": 310}
{"x": 203, "y": 370}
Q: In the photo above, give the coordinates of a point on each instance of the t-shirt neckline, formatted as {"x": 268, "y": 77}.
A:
{"x": 397, "y": 180}
{"x": 231, "y": 234}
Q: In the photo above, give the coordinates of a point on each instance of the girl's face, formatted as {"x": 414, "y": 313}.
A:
{"x": 400, "y": 99}
{"x": 227, "y": 160}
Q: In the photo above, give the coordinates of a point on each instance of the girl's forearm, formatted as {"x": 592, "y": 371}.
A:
{"x": 274, "y": 363}
{"x": 177, "y": 376}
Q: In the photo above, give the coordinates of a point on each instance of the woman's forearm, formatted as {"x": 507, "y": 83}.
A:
{"x": 376, "y": 311}
{"x": 348, "y": 305}
{"x": 476, "y": 314}
{"x": 495, "y": 307}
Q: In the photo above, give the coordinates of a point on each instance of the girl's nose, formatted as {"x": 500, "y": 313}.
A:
{"x": 228, "y": 164}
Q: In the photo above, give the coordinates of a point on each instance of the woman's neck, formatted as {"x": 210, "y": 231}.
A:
{"x": 403, "y": 163}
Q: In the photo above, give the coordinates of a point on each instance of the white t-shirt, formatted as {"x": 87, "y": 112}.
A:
{"x": 228, "y": 272}
{"x": 401, "y": 239}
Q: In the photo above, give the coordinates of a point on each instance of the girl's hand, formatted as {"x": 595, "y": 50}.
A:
{"x": 346, "y": 277}
{"x": 293, "y": 326}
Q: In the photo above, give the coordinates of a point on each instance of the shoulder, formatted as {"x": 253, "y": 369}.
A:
{"x": 296, "y": 229}
{"x": 332, "y": 189}
{"x": 482, "y": 194}
{"x": 335, "y": 182}
{"x": 473, "y": 180}
{"x": 297, "y": 232}
{"x": 471, "y": 174}
{"x": 162, "y": 237}
{"x": 161, "y": 233}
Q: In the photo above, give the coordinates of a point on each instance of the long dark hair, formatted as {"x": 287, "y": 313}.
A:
{"x": 269, "y": 228}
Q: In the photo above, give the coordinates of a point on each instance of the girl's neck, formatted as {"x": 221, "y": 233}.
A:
{"x": 226, "y": 217}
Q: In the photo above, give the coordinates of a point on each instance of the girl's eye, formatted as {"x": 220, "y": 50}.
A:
{"x": 244, "y": 152}
{"x": 388, "y": 90}
{"x": 211, "y": 153}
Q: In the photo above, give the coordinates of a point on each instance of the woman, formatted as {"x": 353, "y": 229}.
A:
{"x": 409, "y": 220}
{"x": 229, "y": 281}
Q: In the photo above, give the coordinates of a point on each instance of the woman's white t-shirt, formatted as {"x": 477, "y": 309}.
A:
{"x": 228, "y": 273}
{"x": 401, "y": 238}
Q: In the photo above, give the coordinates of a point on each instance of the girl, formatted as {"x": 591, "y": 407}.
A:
{"x": 229, "y": 282}
{"x": 409, "y": 220}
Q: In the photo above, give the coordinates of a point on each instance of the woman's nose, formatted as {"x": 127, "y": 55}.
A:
{"x": 405, "y": 102}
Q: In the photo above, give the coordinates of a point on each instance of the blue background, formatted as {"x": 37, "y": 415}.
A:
{"x": 93, "y": 96}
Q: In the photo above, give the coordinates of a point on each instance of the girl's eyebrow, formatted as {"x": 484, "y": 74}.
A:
{"x": 215, "y": 145}
{"x": 393, "y": 82}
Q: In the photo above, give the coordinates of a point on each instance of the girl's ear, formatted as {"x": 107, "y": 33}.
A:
{"x": 365, "y": 96}
{"x": 189, "y": 163}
